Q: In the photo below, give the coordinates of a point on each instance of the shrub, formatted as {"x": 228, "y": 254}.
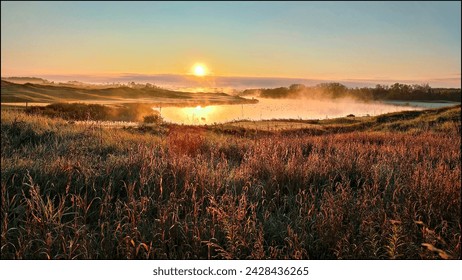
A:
{"x": 153, "y": 118}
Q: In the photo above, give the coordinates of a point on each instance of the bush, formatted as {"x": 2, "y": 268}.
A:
{"x": 95, "y": 112}
{"x": 154, "y": 118}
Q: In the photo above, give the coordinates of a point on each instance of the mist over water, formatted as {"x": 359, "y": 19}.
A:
{"x": 303, "y": 109}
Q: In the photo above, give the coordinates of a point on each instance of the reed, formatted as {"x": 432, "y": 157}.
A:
{"x": 72, "y": 192}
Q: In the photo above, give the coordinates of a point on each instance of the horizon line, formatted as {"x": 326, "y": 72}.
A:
{"x": 97, "y": 78}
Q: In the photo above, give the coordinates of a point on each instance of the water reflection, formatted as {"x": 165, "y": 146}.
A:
{"x": 284, "y": 109}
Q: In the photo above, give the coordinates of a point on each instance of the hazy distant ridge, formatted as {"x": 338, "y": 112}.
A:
{"x": 40, "y": 93}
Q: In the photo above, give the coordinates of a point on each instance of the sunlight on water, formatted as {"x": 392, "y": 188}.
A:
{"x": 284, "y": 109}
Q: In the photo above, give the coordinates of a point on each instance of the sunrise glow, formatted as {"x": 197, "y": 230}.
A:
{"x": 184, "y": 130}
{"x": 200, "y": 70}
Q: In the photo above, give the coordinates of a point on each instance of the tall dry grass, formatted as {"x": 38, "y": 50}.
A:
{"x": 75, "y": 192}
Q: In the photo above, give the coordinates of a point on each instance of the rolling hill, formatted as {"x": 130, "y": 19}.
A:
{"x": 14, "y": 93}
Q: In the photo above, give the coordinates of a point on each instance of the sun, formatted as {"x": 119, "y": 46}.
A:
{"x": 200, "y": 70}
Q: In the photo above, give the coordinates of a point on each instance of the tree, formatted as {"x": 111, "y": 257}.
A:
{"x": 296, "y": 87}
{"x": 334, "y": 89}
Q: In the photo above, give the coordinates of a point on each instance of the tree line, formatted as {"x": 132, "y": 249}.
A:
{"x": 397, "y": 91}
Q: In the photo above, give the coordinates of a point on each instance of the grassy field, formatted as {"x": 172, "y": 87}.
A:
{"x": 405, "y": 121}
{"x": 39, "y": 93}
{"x": 385, "y": 187}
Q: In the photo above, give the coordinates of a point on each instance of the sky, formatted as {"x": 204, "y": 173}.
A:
{"x": 339, "y": 41}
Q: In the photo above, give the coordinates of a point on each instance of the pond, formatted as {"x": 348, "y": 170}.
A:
{"x": 267, "y": 109}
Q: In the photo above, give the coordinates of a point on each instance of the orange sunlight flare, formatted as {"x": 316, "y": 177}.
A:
{"x": 199, "y": 70}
